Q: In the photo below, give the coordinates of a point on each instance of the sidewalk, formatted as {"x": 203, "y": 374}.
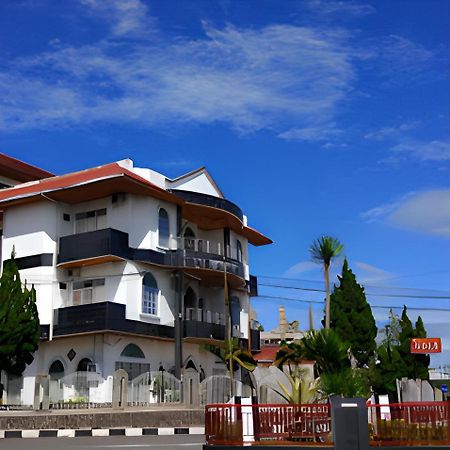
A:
{"x": 72, "y": 422}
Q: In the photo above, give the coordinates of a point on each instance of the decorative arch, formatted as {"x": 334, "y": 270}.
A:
{"x": 132, "y": 351}
{"x": 163, "y": 228}
{"x": 189, "y": 363}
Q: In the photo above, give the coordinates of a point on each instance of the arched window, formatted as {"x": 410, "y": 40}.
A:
{"x": 56, "y": 370}
{"x": 150, "y": 295}
{"x": 163, "y": 227}
{"x": 83, "y": 365}
{"x": 132, "y": 351}
{"x": 239, "y": 250}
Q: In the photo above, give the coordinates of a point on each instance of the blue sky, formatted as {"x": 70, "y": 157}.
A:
{"x": 317, "y": 117}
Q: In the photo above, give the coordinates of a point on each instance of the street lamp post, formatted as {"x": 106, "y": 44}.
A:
{"x": 161, "y": 371}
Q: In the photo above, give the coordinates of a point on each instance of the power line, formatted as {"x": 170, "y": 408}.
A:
{"x": 274, "y": 297}
{"x": 369, "y": 286}
{"x": 435, "y": 297}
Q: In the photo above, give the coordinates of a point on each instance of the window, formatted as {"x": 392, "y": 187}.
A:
{"x": 88, "y": 291}
{"x": 239, "y": 250}
{"x": 150, "y": 295}
{"x": 132, "y": 351}
{"x": 163, "y": 227}
{"x": 90, "y": 220}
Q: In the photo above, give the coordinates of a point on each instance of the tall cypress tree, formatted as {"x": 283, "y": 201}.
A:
{"x": 416, "y": 365}
{"x": 422, "y": 361}
{"x": 19, "y": 321}
{"x": 352, "y": 318}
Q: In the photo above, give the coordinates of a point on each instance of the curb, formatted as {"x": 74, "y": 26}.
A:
{"x": 101, "y": 432}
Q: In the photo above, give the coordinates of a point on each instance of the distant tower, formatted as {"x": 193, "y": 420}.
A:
{"x": 283, "y": 325}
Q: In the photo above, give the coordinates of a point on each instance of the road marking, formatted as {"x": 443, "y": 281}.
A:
{"x": 190, "y": 444}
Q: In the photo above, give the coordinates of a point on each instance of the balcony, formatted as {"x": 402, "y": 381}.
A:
{"x": 204, "y": 330}
{"x": 107, "y": 245}
{"x": 209, "y": 200}
{"x": 105, "y": 316}
{"x": 100, "y": 245}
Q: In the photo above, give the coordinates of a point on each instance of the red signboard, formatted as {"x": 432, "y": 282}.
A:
{"x": 426, "y": 345}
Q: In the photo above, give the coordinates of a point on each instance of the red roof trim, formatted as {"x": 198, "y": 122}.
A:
{"x": 75, "y": 179}
{"x": 18, "y": 170}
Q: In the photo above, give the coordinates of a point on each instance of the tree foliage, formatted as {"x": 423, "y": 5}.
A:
{"x": 327, "y": 349}
{"x": 346, "y": 383}
{"x": 394, "y": 357}
{"x": 19, "y": 321}
{"x": 324, "y": 249}
{"x": 352, "y": 318}
{"x": 233, "y": 355}
{"x": 415, "y": 365}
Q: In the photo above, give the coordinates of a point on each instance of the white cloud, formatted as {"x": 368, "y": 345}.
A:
{"x": 426, "y": 212}
{"x": 371, "y": 274}
{"x": 399, "y": 60}
{"x": 437, "y": 150}
{"x": 340, "y": 7}
{"x": 301, "y": 267}
{"x": 402, "y": 54}
{"x": 391, "y": 132}
{"x": 382, "y": 211}
{"x": 279, "y": 77}
{"x": 127, "y": 17}
{"x": 311, "y": 134}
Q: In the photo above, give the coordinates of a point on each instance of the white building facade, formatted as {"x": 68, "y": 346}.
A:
{"x": 131, "y": 270}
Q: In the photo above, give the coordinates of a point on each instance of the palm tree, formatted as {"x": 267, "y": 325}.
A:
{"x": 322, "y": 251}
{"x": 327, "y": 349}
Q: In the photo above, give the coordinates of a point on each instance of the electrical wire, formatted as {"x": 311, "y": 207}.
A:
{"x": 274, "y": 297}
{"x": 437, "y": 297}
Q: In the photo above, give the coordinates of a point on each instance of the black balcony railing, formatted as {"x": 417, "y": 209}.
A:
{"x": 209, "y": 200}
{"x": 196, "y": 329}
{"x": 94, "y": 244}
{"x": 105, "y": 316}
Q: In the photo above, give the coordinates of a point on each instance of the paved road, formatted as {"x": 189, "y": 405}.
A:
{"x": 179, "y": 442}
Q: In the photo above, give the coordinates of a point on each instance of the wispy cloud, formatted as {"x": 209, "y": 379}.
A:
{"x": 392, "y": 132}
{"x": 347, "y": 7}
{"x": 425, "y": 212}
{"x": 372, "y": 274}
{"x": 397, "y": 59}
{"x": 127, "y": 17}
{"x": 381, "y": 212}
{"x": 278, "y": 77}
{"x": 301, "y": 267}
{"x": 436, "y": 150}
{"x": 312, "y": 134}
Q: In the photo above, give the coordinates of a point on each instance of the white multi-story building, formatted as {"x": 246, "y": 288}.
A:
{"x": 130, "y": 269}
